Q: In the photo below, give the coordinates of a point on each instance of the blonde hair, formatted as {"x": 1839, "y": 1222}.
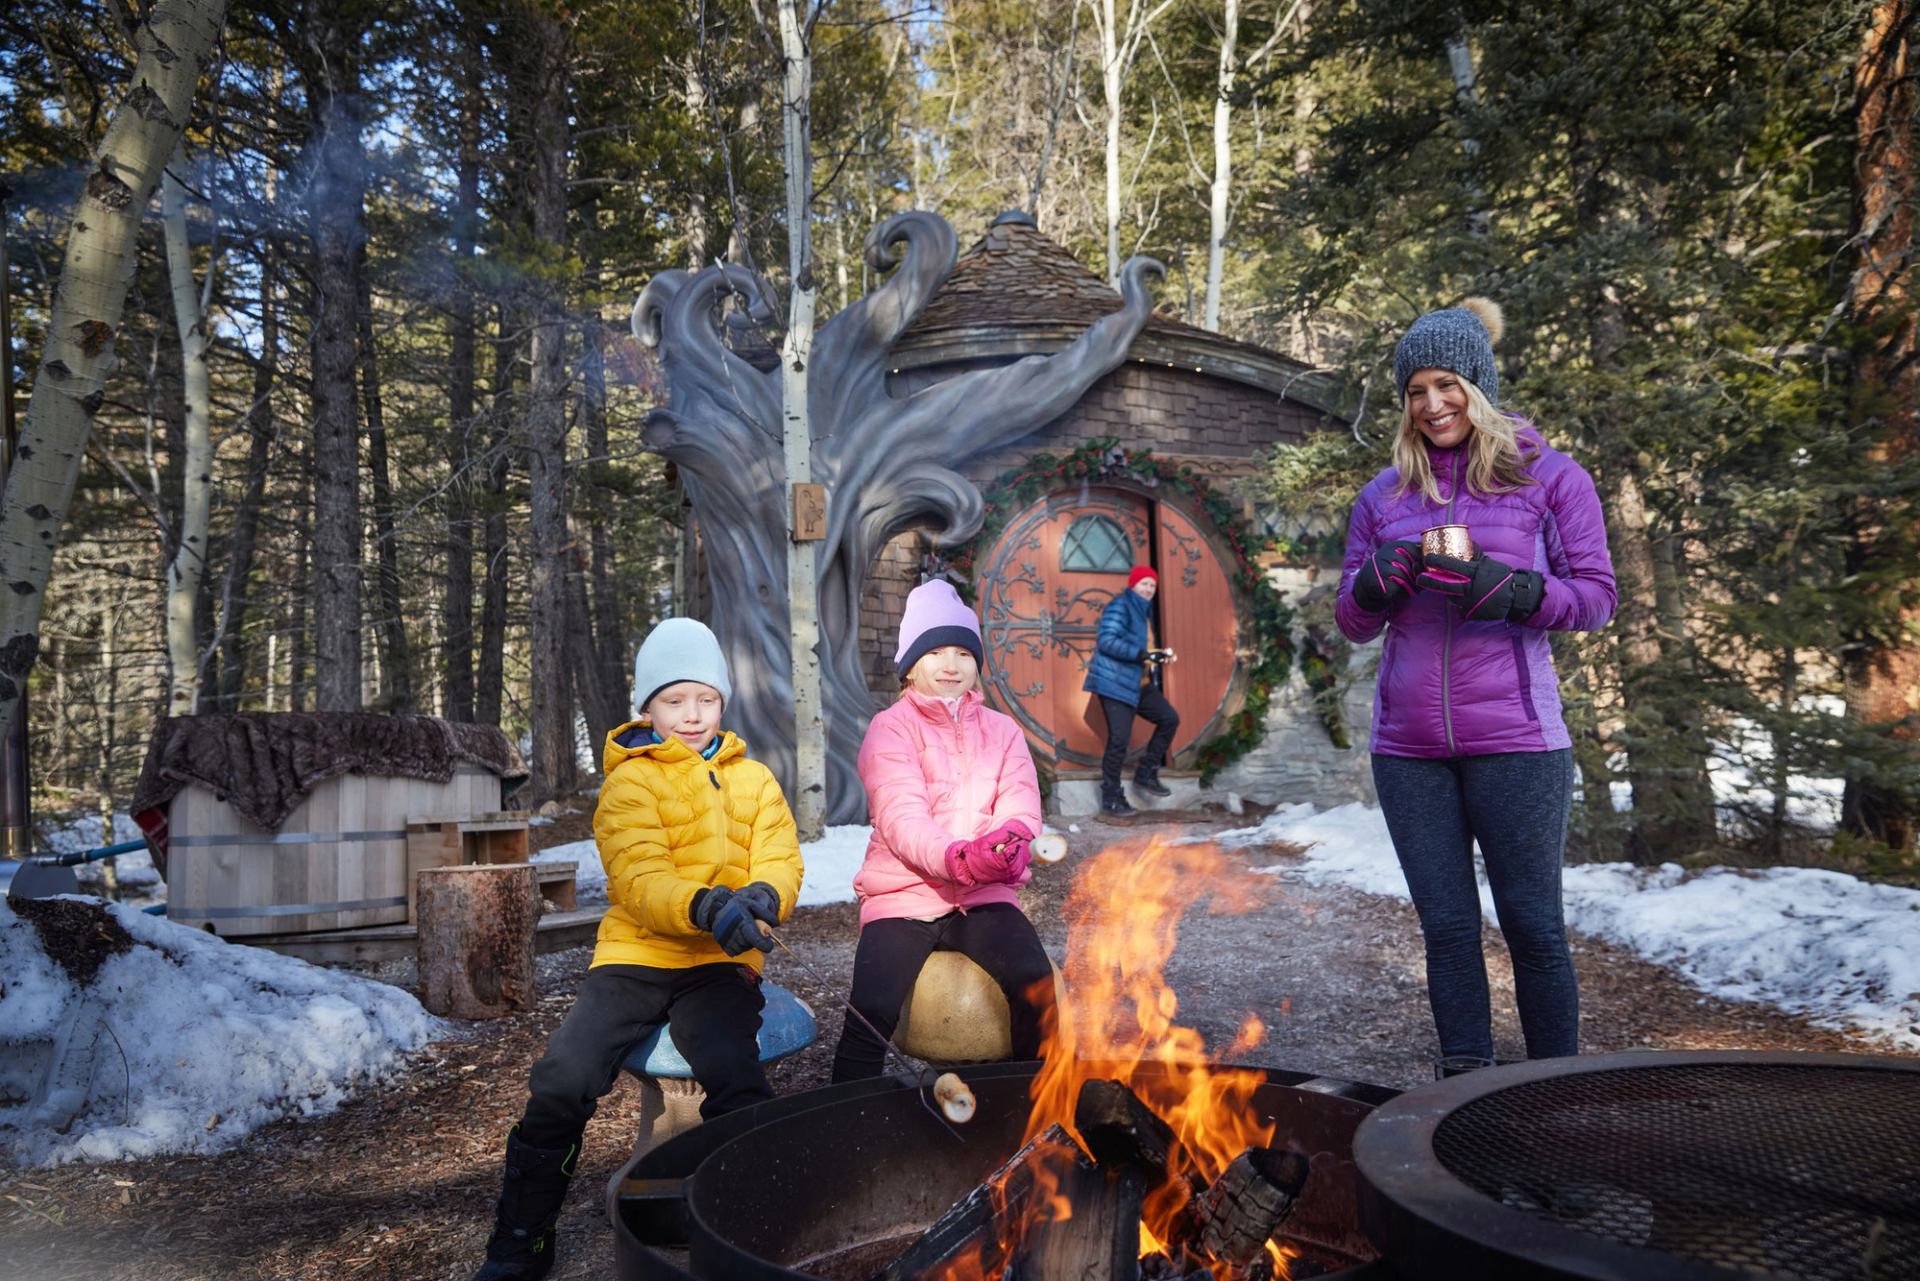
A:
{"x": 1496, "y": 462}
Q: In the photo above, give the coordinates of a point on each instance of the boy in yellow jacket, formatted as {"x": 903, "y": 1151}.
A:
{"x": 699, "y": 849}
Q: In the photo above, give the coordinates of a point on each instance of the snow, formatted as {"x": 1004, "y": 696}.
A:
{"x": 831, "y": 863}
{"x": 1843, "y": 952}
{"x": 201, "y": 1042}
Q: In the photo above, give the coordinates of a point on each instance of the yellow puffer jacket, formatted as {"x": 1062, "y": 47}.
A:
{"x": 670, "y": 824}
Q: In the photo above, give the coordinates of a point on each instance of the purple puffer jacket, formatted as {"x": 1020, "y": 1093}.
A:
{"x": 1451, "y": 687}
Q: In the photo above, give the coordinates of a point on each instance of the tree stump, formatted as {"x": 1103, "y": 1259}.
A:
{"x": 475, "y": 946}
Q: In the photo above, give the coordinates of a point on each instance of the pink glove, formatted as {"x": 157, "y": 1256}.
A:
{"x": 1002, "y": 855}
{"x": 957, "y": 870}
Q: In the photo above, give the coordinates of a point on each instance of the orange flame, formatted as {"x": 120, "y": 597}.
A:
{"x": 1115, "y": 1019}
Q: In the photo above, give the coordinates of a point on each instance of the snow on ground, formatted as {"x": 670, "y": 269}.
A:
{"x": 200, "y": 1041}
{"x": 1843, "y": 952}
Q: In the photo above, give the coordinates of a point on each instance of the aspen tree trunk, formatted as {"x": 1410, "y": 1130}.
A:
{"x": 1222, "y": 164}
{"x": 1883, "y": 676}
{"x": 172, "y": 41}
{"x": 537, "y": 76}
{"x": 1466, "y": 94}
{"x": 1113, "y": 78}
{"x": 796, "y": 353}
{"x": 189, "y": 565}
{"x": 337, "y": 223}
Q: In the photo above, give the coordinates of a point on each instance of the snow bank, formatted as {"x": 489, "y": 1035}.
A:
{"x": 200, "y": 1041}
{"x": 1843, "y": 952}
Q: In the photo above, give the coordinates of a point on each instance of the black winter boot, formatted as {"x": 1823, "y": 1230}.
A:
{"x": 1148, "y": 781}
{"x": 535, "y": 1184}
{"x": 1113, "y": 804}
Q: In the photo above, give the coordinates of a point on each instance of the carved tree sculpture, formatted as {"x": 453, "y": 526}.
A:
{"x": 887, "y": 463}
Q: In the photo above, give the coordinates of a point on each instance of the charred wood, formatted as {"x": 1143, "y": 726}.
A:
{"x": 1242, "y": 1209}
{"x": 983, "y": 1222}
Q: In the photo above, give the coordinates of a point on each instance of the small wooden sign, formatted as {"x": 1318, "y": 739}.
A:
{"x": 809, "y": 513}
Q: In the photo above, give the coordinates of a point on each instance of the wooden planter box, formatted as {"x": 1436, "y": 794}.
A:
{"x": 339, "y": 861}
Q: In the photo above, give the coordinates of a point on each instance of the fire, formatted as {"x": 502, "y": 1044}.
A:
{"x": 1117, "y": 1012}
{"x": 1116, "y": 1019}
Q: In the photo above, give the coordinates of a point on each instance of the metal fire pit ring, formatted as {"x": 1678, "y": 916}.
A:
{"x": 1651, "y": 1166}
{"x": 806, "y": 1181}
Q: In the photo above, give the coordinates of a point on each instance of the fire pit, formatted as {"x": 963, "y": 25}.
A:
{"x": 835, "y": 1183}
{"x": 1652, "y": 1167}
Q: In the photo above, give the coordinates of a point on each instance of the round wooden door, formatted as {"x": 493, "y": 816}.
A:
{"x": 1043, "y": 585}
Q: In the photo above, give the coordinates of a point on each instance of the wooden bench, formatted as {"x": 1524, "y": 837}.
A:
{"x": 495, "y": 837}
{"x": 669, "y": 1096}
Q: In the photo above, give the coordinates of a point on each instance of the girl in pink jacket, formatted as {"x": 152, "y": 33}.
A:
{"x": 954, "y": 800}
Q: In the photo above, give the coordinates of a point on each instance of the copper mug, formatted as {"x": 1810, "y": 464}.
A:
{"x": 1448, "y": 540}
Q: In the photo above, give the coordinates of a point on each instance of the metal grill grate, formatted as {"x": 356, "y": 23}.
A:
{"x": 1812, "y": 1170}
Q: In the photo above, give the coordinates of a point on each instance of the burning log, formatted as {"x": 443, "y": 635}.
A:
{"x": 1120, "y": 1129}
{"x": 1246, "y": 1205}
{"x": 988, "y": 1220}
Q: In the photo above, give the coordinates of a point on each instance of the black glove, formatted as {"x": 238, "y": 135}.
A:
{"x": 1387, "y": 577}
{"x": 705, "y": 909}
{"x": 737, "y": 928}
{"x": 762, "y": 900}
{"x": 1485, "y": 589}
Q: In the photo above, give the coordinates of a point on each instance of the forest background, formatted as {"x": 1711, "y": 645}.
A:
{"x": 373, "y": 435}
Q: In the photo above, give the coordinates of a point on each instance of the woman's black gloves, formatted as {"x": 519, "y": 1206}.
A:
{"x": 1483, "y": 589}
{"x": 1386, "y": 577}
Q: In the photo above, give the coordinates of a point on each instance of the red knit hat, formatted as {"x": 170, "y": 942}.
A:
{"x": 1140, "y": 572}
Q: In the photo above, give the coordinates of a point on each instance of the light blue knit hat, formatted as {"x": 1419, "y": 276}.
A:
{"x": 1457, "y": 338}
{"x": 679, "y": 649}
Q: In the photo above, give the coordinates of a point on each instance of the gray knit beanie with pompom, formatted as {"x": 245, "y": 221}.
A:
{"x": 1457, "y": 338}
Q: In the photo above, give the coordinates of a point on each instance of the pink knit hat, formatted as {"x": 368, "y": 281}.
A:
{"x": 935, "y": 616}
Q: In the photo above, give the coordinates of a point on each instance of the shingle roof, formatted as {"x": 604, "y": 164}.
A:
{"x": 1014, "y": 276}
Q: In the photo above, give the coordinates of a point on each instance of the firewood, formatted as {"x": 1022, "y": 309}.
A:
{"x": 1100, "y": 1242}
{"x": 1120, "y": 1129}
{"x": 983, "y": 1221}
{"x": 1242, "y": 1209}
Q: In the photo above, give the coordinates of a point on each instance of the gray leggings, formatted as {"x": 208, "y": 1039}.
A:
{"x": 1515, "y": 805}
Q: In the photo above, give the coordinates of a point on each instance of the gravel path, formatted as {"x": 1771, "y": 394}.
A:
{"x": 399, "y": 1184}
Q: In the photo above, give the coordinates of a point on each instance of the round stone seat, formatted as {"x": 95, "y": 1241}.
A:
{"x": 956, "y": 1013}
{"x": 669, "y": 1096}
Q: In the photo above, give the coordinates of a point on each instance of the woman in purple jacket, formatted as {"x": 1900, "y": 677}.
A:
{"x": 1468, "y": 740}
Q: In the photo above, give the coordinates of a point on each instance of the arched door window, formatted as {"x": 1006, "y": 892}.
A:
{"x": 1096, "y": 545}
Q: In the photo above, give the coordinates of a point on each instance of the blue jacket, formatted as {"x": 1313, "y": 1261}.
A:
{"x": 1120, "y": 654}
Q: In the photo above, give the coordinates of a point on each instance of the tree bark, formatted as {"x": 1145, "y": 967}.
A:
{"x": 537, "y": 79}
{"x": 189, "y": 564}
{"x": 241, "y": 543}
{"x": 396, "y": 655}
{"x": 490, "y": 683}
{"x": 609, "y": 634}
{"x": 1883, "y": 672}
{"x": 337, "y": 224}
{"x": 172, "y": 41}
{"x": 462, "y": 377}
{"x": 1222, "y": 191}
{"x": 475, "y": 947}
{"x": 809, "y": 792}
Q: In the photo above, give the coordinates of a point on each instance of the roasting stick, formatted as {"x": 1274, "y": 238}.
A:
{"x": 954, "y": 1098}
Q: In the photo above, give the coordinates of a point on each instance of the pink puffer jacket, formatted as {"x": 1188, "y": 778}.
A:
{"x": 932, "y": 779}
